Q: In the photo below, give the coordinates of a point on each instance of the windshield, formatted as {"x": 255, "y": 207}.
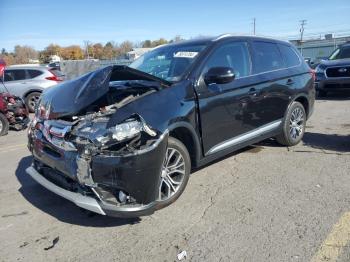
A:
{"x": 340, "y": 53}
{"x": 168, "y": 62}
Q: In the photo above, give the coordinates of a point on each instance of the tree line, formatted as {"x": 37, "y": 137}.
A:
{"x": 111, "y": 50}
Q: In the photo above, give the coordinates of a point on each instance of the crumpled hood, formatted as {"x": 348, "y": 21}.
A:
{"x": 71, "y": 97}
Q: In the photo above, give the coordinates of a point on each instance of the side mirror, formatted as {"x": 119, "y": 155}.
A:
{"x": 219, "y": 75}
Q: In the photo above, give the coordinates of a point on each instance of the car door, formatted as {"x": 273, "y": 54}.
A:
{"x": 16, "y": 81}
{"x": 275, "y": 83}
{"x": 224, "y": 108}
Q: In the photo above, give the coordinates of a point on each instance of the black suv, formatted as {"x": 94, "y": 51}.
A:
{"x": 122, "y": 141}
{"x": 333, "y": 74}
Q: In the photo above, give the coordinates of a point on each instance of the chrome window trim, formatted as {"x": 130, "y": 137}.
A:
{"x": 245, "y": 137}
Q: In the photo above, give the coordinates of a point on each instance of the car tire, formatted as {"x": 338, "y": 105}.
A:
{"x": 293, "y": 126}
{"x": 177, "y": 149}
{"x": 4, "y": 125}
{"x": 31, "y": 100}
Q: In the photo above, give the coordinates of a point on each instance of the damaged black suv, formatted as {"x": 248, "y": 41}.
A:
{"x": 122, "y": 141}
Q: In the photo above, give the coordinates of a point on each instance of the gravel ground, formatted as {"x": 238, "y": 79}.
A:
{"x": 264, "y": 203}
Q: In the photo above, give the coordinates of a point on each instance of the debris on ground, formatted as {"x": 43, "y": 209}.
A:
{"x": 24, "y": 244}
{"x": 42, "y": 238}
{"x": 15, "y": 215}
{"x": 54, "y": 242}
{"x": 182, "y": 255}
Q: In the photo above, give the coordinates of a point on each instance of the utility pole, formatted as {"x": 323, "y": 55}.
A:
{"x": 86, "y": 43}
{"x": 254, "y": 20}
{"x": 302, "y": 28}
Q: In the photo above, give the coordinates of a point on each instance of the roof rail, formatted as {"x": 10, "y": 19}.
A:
{"x": 221, "y": 36}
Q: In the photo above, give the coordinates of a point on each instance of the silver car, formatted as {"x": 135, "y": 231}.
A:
{"x": 28, "y": 82}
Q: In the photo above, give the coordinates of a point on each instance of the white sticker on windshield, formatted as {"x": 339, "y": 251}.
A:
{"x": 185, "y": 54}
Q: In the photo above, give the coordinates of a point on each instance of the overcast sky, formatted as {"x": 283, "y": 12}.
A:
{"x": 38, "y": 23}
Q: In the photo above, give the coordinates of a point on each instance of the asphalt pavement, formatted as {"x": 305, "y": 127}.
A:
{"x": 263, "y": 203}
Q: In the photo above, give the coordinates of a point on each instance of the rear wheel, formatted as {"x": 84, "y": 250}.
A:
{"x": 175, "y": 172}
{"x": 293, "y": 125}
{"x": 4, "y": 125}
{"x": 31, "y": 100}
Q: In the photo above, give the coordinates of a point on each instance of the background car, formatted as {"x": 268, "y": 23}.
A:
{"x": 13, "y": 113}
{"x": 333, "y": 74}
{"x": 28, "y": 82}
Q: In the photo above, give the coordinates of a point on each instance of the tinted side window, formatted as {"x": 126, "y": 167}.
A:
{"x": 15, "y": 75}
{"x": 34, "y": 73}
{"x": 289, "y": 55}
{"x": 234, "y": 55}
{"x": 344, "y": 53}
{"x": 267, "y": 57}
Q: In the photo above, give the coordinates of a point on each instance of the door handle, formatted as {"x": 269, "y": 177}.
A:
{"x": 290, "y": 82}
{"x": 252, "y": 92}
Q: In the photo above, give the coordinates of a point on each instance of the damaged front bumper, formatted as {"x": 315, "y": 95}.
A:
{"x": 121, "y": 184}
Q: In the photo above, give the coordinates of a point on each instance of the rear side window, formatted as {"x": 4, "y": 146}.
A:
{"x": 267, "y": 57}
{"x": 34, "y": 73}
{"x": 289, "y": 55}
{"x": 15, "y": 75}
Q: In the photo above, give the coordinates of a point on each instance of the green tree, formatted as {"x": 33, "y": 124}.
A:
{"x": 147, "y": 44}
{"x": 108, "y": 51}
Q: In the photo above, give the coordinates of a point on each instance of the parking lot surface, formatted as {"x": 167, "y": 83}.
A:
{"x": 263, "y": 203}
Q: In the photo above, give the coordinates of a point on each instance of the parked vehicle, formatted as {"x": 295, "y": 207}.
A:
{"x": 13, "y": 113}
{"x": 333, "y": 74}
{"x": 29, "y": 82}
{"x": 55, "y": 65}
{"x": 122, "y": 141}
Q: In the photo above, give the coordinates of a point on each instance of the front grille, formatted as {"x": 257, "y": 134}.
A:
{"x": 338, "y": 71}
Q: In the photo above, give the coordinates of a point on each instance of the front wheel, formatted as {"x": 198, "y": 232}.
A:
{"x": 293, "y": 125}
{"x": 31, "y": 100}
{"x": 175, "y": 172}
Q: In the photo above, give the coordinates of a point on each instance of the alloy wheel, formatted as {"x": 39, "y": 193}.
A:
{"x": 33, "y": 100}
{"x": 296, "y": 123}
{"x": 172, "y": 174}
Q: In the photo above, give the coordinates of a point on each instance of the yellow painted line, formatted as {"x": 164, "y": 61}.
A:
{"x": 337, "y": 239}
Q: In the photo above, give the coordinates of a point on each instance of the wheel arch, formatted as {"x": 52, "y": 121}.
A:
{"x": 186, "y": 133}
{"x": 302, "y": 99}
{"x": 32, "y": 91}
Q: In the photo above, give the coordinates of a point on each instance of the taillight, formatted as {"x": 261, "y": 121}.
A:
{"x": 53, "y": 77}
{"x": 313, "y": 74}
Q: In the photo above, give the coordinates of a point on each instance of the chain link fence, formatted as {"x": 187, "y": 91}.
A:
{"x": 75, "y": 68}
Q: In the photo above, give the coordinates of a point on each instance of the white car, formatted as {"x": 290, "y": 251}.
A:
{"x": 28, "y": 82}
